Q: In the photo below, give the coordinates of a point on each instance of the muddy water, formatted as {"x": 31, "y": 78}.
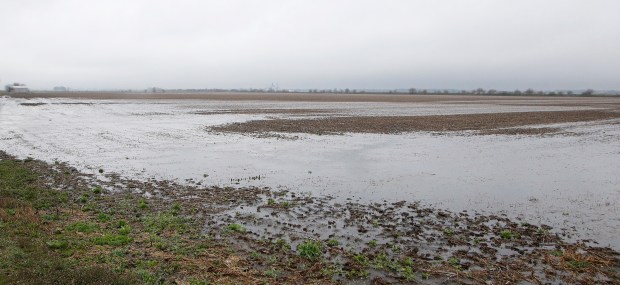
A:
{"x": 566, "y": 181}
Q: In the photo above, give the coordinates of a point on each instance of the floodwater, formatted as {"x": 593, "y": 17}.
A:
{"x": 569, "y": 181}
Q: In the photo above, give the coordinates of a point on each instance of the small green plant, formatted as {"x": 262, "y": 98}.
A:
{"x": 125, "y": 230}
{"x": 84, "y": 198}
{"x": 271, "y": 201}
{"x": 455, "y": 262}
{"x": 372, "y": 243}
{"x": 507, "y": 234}
{"x": 310, "y": 249}
{"x": 557, "y": 253}
{"x": 236, "y": 228}
{"x": 333, "y": 242}
{"x": 97, "y": 190}
{"x": 408, "y": 274}
{"x": 272, "y": 273}
{"x": 361, "y": 259}
{"x": 282, "y": 244}
{"x": 142, "y": 204}
{"x": 176, "y": 208}
{"x": 448, "y": 232}
{"x": 103, "y": 217}
{"x": 577, "y": 264}
{"x": 408, "y": 261}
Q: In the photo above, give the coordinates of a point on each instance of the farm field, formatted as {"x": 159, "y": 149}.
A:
{"x": 362, "y": 170}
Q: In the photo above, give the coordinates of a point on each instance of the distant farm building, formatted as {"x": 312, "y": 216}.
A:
{"x": 155, "y": 90}
{"x": 60, "y": 89}
{"x": 17, "y": 88}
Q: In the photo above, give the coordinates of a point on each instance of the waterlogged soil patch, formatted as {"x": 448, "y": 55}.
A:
{"x": 269, "y": 111}
{"x": 401, "y": 124}
{"x": 405, "y": 242}
{"x": 59, "y": 226}
{"x": 523, "y": 131}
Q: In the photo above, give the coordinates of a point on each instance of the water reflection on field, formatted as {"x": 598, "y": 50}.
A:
{"x": 565, "y": 181}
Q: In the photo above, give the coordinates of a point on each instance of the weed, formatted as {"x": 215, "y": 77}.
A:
{"x": 361, "y": 259}
{"x": 408, "y": 274}
{"x": 557, "y": 253}
{"x": 407, "y": 262}
{"x": 103, "y": 217}
{"x": 176, "y": 209}
{"x": 142, "y": 204}
{"x": 97, "y": 190}
{"x": 357, "y": 273}
{"x": 507, "y": 234}
{"x": 272, "y": 273}
{"x": 282, "y": 244}
{"x": 125, "y": 230}
{"x": 577, "y": 264}
{"x": 57, "y": 244}
{"x": 112, "y": 239}
{"x": 310, "y": 249}
{"x": 455, "y": 262}
{"x": 160, "y": 222}
{"x": 236, "y": 228}
{"x": 84, "y": 198}
{"x": 271, "y": 201}
{"x": 372, "y": 243}
{"x": 83, "y": 227}
{"x": 333, "y": 242}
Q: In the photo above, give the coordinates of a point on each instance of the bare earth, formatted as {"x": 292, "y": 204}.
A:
{"x": 399, "y": 124}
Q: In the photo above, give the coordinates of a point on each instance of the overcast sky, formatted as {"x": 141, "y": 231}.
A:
{"x": 462, "y": 44}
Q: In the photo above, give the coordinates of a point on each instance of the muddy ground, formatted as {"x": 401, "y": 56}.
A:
{"x": 258, "y": 235}
{"x": 488, "y": 123}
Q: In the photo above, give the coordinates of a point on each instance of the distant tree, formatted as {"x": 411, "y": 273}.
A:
{"x": 413, "y": 91}
{"x": 347, "y": 90}
{"x": 588, "y": 92}
{"x": 492, "y": 92}
{"x": 517, "y": 92}
{"x": 479, "y": 91}
{"x": 529, "y": 91}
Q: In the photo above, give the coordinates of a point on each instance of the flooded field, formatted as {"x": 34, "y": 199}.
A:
{"x": 566, "y": 177}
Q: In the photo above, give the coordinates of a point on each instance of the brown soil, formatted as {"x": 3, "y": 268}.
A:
{"x": 399, "y": 124}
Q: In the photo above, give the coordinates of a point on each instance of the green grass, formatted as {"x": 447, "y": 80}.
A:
{"x": 83, "y": 227}
{"x": 310, "y": 249}
{"x": 333, "y": 242}
{"x": 112, "y": 239}
{"x": 236, "y": 228}
{"x": 507, "y": 234}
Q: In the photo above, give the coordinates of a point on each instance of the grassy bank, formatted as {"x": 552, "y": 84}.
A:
{"x": 54, "y": 231}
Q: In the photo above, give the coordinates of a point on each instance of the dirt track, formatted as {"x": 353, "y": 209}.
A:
{"x": 399, "y": 124}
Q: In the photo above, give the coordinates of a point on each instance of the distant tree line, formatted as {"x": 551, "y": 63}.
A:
{"x": 411, "y": 91}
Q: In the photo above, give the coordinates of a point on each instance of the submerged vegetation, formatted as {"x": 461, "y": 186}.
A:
{"x": 57, "y": 226}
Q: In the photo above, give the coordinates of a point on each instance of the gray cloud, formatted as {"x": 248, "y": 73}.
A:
{"x": 311, "y": 44}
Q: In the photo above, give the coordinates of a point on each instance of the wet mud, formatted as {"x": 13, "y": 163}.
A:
{"x": 359, "y": 243}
